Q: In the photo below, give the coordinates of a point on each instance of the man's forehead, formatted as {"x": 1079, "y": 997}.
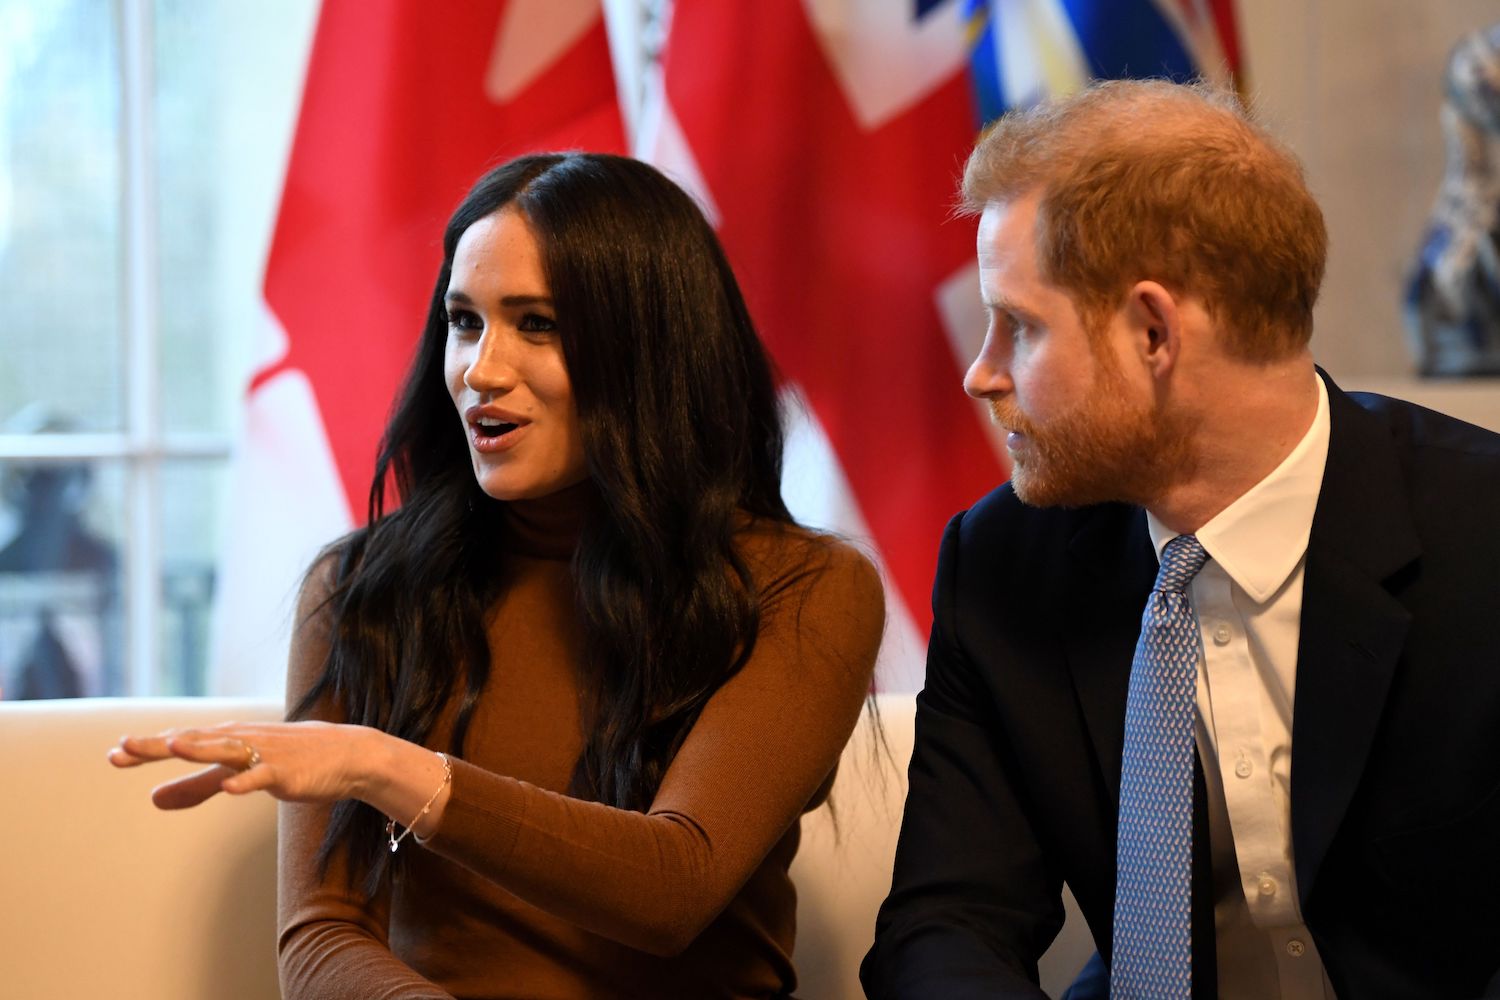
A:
{"x": 1004, "y": 223}
{"x": 1006, "y": 232}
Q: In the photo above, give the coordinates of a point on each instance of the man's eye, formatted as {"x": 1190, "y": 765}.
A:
{"x": 537, "y": 323}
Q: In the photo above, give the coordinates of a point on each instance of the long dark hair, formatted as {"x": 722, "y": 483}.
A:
{"x": 682, "y": 436}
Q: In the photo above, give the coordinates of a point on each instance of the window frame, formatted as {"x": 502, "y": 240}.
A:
{"x": 144, "y": 447}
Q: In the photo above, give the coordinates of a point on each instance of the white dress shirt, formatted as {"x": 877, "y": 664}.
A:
{"x": 1248, "y": 598}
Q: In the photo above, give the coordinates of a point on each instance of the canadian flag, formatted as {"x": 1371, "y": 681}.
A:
{"x": 826, "y": 139}
{"x": 405, "y": 104}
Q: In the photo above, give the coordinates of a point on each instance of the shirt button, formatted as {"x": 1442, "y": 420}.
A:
{"x": 1243, "y": 768}
{"x": 1222, "y": 634}
{"x": 1266, "y": 884}
{"x": 1295, "y": 948}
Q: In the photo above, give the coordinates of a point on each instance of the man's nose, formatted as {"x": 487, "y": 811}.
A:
{"x": 989, "y": 375}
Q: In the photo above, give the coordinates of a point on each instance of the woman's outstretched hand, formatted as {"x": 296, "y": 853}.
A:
{"x": 298, "y": 762}
{"x": 293, "y": 761}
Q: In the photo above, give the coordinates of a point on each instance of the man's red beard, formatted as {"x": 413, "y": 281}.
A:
{"x": 1109, "y": 449}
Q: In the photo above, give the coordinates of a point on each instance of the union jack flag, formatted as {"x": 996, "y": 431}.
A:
{"x": 826, "y": 138}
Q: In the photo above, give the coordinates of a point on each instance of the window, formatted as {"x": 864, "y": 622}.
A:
{"x": 142, "y": 144}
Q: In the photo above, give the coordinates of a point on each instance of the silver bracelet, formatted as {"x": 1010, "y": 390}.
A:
{"x": 390, "y": 824}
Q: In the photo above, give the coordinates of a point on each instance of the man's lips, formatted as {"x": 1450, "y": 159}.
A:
{"x": 1016, "y": 427}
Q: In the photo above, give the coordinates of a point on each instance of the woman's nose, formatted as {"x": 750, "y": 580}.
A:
{"x": 491, "y": 368}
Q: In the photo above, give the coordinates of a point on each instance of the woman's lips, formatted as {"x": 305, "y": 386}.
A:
{"x": 485, "y": 421}
{"x": 491, "y": 444}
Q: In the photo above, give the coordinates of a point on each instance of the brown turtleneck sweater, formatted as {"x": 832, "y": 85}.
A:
{"x": 525, "y": 892}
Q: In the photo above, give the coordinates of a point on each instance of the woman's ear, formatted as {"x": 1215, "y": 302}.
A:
{"x": 1155, "y": 321}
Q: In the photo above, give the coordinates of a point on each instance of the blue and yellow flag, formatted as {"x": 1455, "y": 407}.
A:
{"x": 1025, "y": 51}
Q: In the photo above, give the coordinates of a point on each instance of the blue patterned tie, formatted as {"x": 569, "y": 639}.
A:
{"x": 1153, "y": 945}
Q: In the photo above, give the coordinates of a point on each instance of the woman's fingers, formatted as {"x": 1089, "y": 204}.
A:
{"x": 188, "y": 791}
{"x": 256, "y": 779}
{"x": 120, "y": 757}
{"x": 206, "y": 748}
{"x": 203, "y": 746}
{"x": 140, "y": 749}
{"x": 228, "y": 755}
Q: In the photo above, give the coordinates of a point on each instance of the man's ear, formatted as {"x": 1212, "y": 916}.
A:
{"x": 1156, "y": 323}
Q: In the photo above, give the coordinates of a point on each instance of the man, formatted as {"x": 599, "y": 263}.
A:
{"x": 1301, "y": 747}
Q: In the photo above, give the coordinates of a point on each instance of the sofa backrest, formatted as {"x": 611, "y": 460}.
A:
{"x": 103, "y": 895}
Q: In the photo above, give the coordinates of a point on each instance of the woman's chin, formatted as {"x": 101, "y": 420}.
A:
{"x": 512, "y": 488}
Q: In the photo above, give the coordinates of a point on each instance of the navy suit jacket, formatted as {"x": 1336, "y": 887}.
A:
{"x": 1014, "y": 781}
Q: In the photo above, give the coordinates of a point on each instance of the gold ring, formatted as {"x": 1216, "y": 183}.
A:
{"x": 252, "y": 756}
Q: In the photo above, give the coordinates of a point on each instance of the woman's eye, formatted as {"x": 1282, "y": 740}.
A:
{"x": 462, "y": 319}
{"x": 537, "y": 323}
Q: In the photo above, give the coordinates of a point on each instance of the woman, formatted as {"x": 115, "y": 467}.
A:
{"x": 592, "y": 599}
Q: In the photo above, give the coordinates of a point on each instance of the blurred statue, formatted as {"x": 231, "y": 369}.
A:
{"x": 49, "y": 500}
{"x": 1453, "y": 300}
{"x": 59, "y": 607}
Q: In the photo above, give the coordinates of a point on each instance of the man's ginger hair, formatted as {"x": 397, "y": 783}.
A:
{"x": 1145, "y": 179}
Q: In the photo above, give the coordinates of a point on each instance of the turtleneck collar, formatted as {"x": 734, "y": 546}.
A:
{"x": 548, "y": 527}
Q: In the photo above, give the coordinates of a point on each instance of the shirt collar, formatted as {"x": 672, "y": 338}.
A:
{"x": 1259, "y": 539}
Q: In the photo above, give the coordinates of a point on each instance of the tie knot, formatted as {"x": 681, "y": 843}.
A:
{"x": 1181, "y": 560}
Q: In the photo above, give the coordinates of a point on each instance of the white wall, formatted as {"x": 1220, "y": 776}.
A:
{"x": 1355, "y": 86}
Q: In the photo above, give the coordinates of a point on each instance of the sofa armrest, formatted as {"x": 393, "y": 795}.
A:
{"x": 105, "y": 895}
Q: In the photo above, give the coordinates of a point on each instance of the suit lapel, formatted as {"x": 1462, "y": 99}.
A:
{"x": 1204, "y": 929}
{"x": 1112, "y": 566}
{"x": 1352, "y": 629}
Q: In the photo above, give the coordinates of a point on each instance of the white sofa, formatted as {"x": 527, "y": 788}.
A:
{"x": 102, "y": 895}
{"x": 843, "y": 869}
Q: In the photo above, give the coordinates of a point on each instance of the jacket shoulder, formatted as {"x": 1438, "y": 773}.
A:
{"x": 1417, "y": 428}
{"x": 1002, "y": 525}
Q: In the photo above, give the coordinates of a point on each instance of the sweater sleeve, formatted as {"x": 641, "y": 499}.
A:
{"x": 764, "y": 744}
{"x": 332, "y": 943}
